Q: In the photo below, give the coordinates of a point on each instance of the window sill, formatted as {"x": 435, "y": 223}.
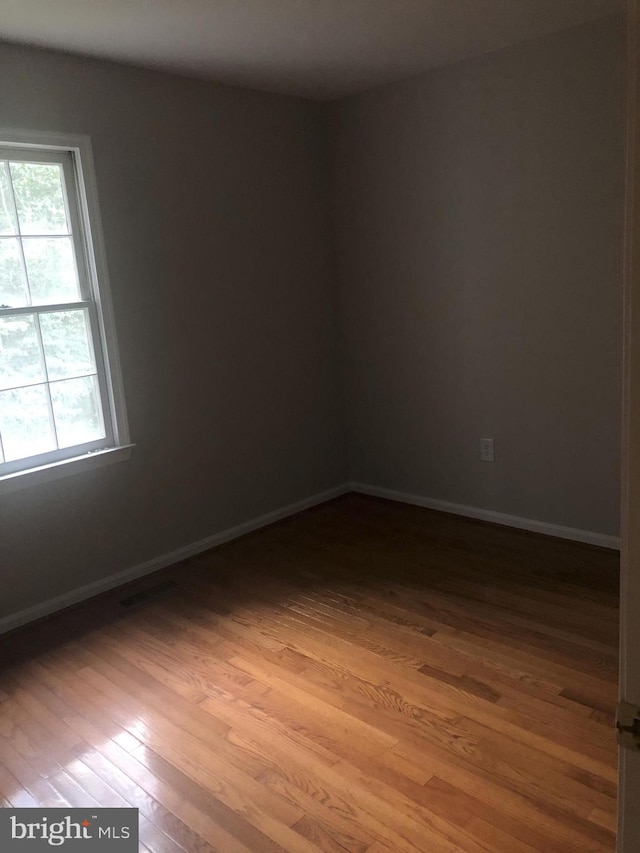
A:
{"x": 65, "y": 468}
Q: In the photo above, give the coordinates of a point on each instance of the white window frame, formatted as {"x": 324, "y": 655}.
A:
{"x": 96, "y": 297}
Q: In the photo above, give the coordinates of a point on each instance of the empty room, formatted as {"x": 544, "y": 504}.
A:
{"x": 319, "y": 469}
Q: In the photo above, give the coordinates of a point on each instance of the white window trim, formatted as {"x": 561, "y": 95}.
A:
{"x": 64, "y": 468}
{"x": 80, "y": 147}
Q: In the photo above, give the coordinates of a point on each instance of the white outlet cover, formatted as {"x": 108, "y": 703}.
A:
{"x": 487, "y": 453}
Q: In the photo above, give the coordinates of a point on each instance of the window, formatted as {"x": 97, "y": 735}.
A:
{"x": 60, "y": 396}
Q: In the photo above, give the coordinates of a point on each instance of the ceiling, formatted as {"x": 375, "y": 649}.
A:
{"x": 319, "y": 49}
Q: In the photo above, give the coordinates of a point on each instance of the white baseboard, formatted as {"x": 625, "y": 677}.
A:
{"x": 75, "y": 596}
{"x": 52, "y": 605}
{"x": 586, "y": 536}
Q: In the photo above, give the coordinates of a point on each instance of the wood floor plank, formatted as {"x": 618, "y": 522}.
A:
{"x": 91, "y": 771}
{"x": 365, "y": 677}
{"x": 110, "y": 758}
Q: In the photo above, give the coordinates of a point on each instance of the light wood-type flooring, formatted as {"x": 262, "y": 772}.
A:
{"x": 364, "y": 677}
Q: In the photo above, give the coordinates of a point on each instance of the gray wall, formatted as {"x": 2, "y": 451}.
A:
{"x": 213, "y": 202}
{"x": 476, "y": 231}
{"x": 478, "y": 218}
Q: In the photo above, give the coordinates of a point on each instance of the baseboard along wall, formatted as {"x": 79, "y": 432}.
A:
{"x": 75, "y": 596}
{"x": 546, "y": 528}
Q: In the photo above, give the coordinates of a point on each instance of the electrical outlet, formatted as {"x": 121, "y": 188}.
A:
{"x": 486, "y": 450}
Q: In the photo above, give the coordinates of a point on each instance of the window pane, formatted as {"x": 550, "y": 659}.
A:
{"x": 20, "y": 361}
{"x": 8, "y": 223}
{"x": 76, "y": 410}
{"x": 51, "y": 269}
{"x": 65, "y": 336}
{"x": 25, "y": 425}
{"x": 13, "y": 285}
{"x": 39, "y": 198}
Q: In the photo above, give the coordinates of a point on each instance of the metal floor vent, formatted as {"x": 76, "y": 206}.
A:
{"x": 139, "y": 598}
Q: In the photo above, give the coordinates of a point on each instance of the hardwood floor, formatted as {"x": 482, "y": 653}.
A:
{"x": 366, "y": 676}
